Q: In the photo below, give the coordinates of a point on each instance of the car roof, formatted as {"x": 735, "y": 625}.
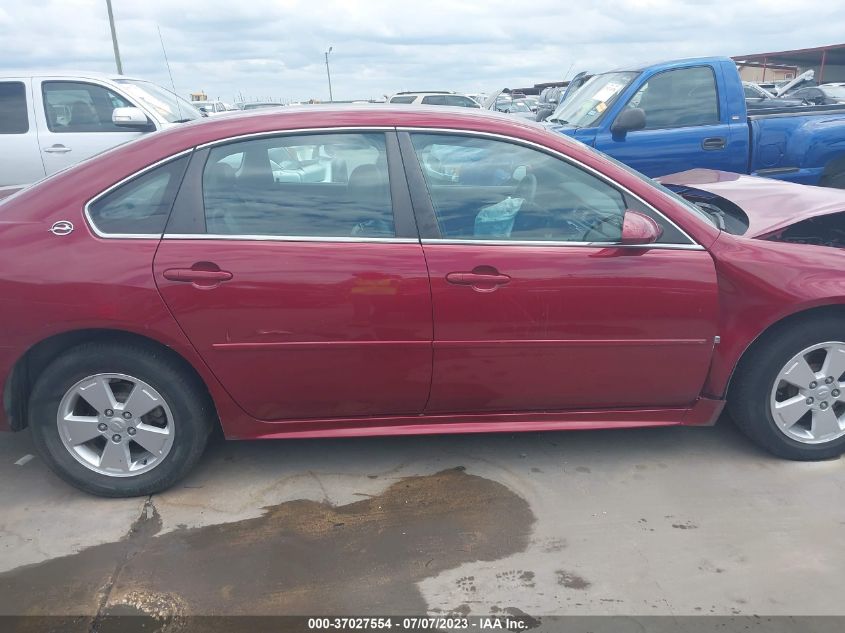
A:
{"x": 319, "y": 117}
{"x": 425, "y": 92}
{"x": 77, "y": 74}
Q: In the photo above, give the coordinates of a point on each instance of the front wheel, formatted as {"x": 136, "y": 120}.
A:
{"x": 789, "y": 395}
{"x": 119, "y": 420}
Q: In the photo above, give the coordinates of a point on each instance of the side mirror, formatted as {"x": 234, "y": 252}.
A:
{"x": 638, "y": 228}
{"x": 629, "y": 120}
{"x": 131, "y": 118}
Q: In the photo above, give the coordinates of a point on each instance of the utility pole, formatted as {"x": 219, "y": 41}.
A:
{"x": 114, "y": 39}
{"x": 329, "y": 74}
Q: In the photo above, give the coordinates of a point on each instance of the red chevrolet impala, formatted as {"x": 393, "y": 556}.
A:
{"x": 371, "y": 271}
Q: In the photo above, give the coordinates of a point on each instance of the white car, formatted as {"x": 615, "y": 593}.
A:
{"x": 51, "y": 120}
{"x": 213, "y": 108}
{"x": 434, "y": 98}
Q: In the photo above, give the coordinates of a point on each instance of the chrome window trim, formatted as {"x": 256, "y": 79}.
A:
{"x": 127, "y": 236}
{"x": 295, "y": 131}
{"x": 290, "y": 238}
{"x": 674, "y": 247}
{"x": 570, "y": 160}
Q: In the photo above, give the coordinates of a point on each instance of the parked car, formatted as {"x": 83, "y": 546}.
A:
{"x": 826, "y": 94}
{"x": 691, "y": 113}
{"x": 260, "y": 105}
{"x": 509, "y": 103}
{"x": 478, "y": 97}
{"x": 185, "y": 280}
{"x": 433, "y": 98}
{"x": 756, "y": 98}
{"x": 213, "y": 108}
{"x": 552, "y": 98}
{"x": 51, "y": 120}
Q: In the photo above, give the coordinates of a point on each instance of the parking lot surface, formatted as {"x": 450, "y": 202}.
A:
{"x": 668, "y": 521}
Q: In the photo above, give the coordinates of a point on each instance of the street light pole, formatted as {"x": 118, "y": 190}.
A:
{"x": 329, "y": 74}
{"x": 114, "y": 39}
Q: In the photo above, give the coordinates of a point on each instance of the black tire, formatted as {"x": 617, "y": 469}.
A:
{"x": 748, "y": 398}
{"x": 190, "y": 404}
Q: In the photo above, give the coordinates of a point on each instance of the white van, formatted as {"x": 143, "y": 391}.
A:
{"x": 51, "y": 120}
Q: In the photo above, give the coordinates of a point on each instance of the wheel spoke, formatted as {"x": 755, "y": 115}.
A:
{"x": 79, "y": 429}
{"x": 788, "y": 412}
{"x": 141, "y": 401}
{"x": 799, "y": 373}
{"x": 151, "y": 438}
{"x": 98, "y": 393}
{"x": 834, "y": 362}
{"x": 116, "y": 457}
{"x": 825, "y": 424}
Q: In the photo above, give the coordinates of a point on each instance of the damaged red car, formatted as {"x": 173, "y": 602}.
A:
{"x": 330, "y": 272}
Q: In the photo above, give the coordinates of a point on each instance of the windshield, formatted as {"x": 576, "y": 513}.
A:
{"x": 837, "y": 92}
{"x": 589, "y": 102}
{"x": 168, "y": 106}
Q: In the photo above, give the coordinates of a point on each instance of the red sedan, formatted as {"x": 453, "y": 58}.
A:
{"x": 372, "y": 271}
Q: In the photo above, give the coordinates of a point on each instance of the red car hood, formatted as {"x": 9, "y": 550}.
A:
{"x": 770, "y": 205}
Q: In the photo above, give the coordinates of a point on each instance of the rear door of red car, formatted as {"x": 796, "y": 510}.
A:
{"x": 536, "y": 307}
{"x": 293, "y": 264}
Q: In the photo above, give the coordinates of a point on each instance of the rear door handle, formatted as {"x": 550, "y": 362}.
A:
{"x": 714, "y": 142}
{"x": 57, "y": 149}
{"x": 207, "y": 276}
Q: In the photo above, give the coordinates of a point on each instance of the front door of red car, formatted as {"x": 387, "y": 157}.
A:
{"x": 293, "y": 265}
{"x": 536, "y": 307}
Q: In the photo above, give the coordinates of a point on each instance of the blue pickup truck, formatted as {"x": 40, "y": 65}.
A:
{"x": 689, "y": 113}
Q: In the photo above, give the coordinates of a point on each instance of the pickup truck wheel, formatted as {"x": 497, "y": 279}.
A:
{"x": 118, "y": 420}
{"x": 789, "y": 396}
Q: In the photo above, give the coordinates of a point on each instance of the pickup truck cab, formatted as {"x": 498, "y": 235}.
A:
{"x": 51, "y": 120}
{"x": 692, "y": 113}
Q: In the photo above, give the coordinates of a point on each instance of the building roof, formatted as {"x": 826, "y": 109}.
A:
{"x": 834, "y": 55}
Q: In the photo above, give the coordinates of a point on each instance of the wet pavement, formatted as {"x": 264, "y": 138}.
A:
{"x": 635, "y": 522}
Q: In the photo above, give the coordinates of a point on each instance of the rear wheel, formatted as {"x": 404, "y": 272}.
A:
{"x": 119, "y": 420}
{"x": 789, "y": 396}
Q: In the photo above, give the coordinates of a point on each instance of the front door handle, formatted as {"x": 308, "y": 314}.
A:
{"x": 482, "y": 279}
{"x": 714, "y": 142}
{"x": 203, "y": 275}
{"x": 57, "y": 149}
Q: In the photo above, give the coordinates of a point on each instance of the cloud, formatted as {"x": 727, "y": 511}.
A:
{"x": 275, "y": 48}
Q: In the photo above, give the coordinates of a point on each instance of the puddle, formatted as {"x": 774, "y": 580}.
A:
{"x": 300, "y": 557}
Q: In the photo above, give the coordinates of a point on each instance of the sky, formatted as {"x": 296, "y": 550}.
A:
{"x": 275, "y": 48}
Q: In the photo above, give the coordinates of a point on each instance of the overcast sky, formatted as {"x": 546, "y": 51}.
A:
{"x": 274, "y": 48}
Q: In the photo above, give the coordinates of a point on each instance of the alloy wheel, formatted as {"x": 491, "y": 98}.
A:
{"x": 807, "y": 400}
{"x": 115, "y": 425}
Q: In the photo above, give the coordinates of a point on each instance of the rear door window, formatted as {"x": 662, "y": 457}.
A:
{"x": 316, "y": 185}
{"x": 434, "y": 100}
{"x": 403, "y": 99}
{"x": 14, "y": 116}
